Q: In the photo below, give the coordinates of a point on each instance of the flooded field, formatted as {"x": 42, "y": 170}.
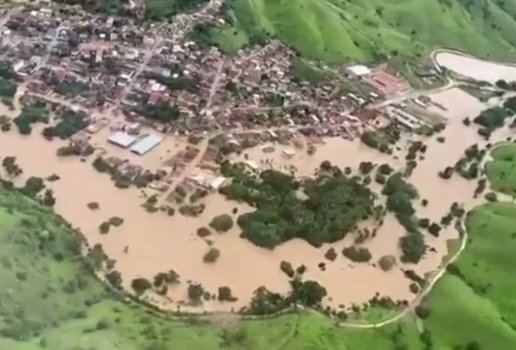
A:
{"x": 150, "y": 243}
{"x": 475, "y": 68}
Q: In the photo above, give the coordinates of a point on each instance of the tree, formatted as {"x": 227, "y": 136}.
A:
{"x": 203, "y": 232}
{"x": 104, "y": 227}
{"x": 331, "y": 254}
{"x": 33, "y": 186}
{"x": 424, "y": 223}
{"x": 140, "y": 285}
{"x": 355, "y": 254}
{"x": 434, "y": 229}
{"x": 211, "y": 255}
{"x": 387, "y": 262}
{"x": 195, "y": 291}
{"x": 308, "y": 293}
{"x": 385, "y": 169}
{"x": 287, "y": 268}
{"x": 446, "y": 173}
{"x": 222, "y": 223}
{"x": 422, "y": 311}
{"x": 225, "y": 294}
{"x": 365, "y": 167}
{"x": 49, "y": 199}
{"x": 116, "y": 221}
{"x": 96, "y": 256}
{"x": 115, "y": 279}
{"x": 413, "y": 247}
{"x": 326, "y": 165}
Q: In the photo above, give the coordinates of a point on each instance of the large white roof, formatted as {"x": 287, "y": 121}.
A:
{"x": 122, "y": 139}
{"x": 146, "y": 144}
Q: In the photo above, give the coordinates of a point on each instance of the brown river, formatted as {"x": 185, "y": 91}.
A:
{"x": 157, "y": 242}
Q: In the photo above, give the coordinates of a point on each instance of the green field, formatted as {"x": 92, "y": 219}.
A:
{"x": 338, "y": 30}
{"x": 51, "y": 300}
{"x": 501, "y": 170}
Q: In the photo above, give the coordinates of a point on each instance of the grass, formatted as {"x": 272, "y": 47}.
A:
{"x": 501, "y": 170}
{"x": 477, "y": 302}
{"x": 337, "y": 30}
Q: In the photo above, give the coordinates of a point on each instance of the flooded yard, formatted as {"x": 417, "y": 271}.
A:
{"x": 475, "y": 68}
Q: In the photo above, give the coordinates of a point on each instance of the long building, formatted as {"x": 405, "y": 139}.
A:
{"x": 146, "y": 144}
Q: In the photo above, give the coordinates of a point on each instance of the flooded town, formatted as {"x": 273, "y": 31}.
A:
{"x": 138, "y": 122}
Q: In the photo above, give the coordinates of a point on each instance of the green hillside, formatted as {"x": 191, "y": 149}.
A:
{"x": 367, "y": 30}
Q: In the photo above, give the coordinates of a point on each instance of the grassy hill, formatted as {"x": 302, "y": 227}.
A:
{"x": 367, "y": 30}
{"x": 49, "y": 299}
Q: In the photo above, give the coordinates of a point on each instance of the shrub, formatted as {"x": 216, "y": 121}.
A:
{"x": 203, "y": 232}
{"x": 357, "y": 254}
{"x": 287, "y": 268}
{"x": 116, "y": 221}
{"x": 331, "y": 254}
{"x": 211, "y": 255}
{"x": 104, "y": 227}
{"x": 387, "y": 262}
{"x": 222, "y": 223}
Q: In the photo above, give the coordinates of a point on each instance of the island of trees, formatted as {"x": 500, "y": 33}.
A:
{"x": 333, "y": 206}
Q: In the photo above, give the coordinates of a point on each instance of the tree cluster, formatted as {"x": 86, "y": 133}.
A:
{"x": 333, "y": 206}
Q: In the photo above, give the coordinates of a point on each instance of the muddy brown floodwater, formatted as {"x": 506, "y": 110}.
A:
{"x": 157, "y": 242}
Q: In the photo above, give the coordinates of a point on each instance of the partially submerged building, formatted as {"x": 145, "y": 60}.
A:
{"x": 122, "y": 139}
{"x": 146, "y": 144}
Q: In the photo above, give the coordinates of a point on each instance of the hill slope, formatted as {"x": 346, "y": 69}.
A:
{"x": 366, "y": 30}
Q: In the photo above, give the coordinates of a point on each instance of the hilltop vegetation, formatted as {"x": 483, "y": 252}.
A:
{"x": 335, "y": 31}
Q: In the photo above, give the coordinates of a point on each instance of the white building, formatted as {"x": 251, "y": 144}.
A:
{"x": 122, "y": 139}
{"x": 146, "y": 144}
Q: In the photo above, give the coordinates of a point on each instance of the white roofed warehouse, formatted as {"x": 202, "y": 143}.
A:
{"x": 146, "y": 144}
{"x": 122, "y": 139}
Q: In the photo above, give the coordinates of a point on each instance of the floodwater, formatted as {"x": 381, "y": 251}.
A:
{"x": 158, "y": 243}
{"x": 476, "y": 68}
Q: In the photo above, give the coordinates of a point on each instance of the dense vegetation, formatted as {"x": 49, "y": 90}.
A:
{"x": 334, "y": 205}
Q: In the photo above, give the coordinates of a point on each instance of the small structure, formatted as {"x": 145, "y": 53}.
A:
{"x": 288, "y": 153}
{"x": 218, "y": 182}
{"x": 122, "y": 139}
{"x": 358, "y": 70}
{"x": 146, "y": 144}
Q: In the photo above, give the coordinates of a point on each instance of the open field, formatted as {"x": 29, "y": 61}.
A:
{"x": 335, "y": 31}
